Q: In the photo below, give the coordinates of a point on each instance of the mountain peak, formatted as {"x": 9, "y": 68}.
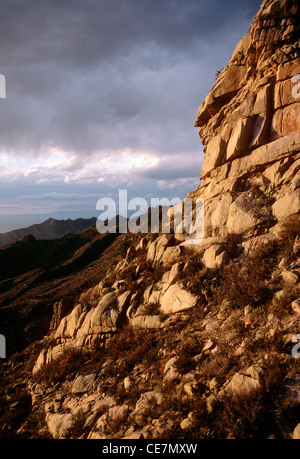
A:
{"x": 49, "y": 229}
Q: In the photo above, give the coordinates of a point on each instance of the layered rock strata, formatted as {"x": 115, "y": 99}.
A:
{"x": 249, "y": 125}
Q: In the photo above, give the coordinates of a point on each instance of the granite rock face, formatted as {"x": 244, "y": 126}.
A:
{"x": 249, "y": 125}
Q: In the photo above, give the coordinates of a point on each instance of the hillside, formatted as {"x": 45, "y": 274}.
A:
{"x": 46, "y": 271}
{"x": 152, "y": 337}
{"x": 49, "y": 229}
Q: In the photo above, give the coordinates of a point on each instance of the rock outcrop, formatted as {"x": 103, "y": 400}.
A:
{"x": 250, "y": 128}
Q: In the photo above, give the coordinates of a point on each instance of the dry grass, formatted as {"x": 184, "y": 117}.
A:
{"x": 61, "y": 369}
{"x": 249, "y": 281}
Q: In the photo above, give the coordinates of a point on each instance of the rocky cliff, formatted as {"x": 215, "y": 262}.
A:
{"x": 249, "y": 125}
{"x": 181, "y": 341}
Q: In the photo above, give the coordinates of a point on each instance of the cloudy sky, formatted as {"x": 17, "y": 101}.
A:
{"x": 102, "y": 95}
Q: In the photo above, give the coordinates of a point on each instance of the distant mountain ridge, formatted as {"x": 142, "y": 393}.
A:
{"x": 49, "y": 229}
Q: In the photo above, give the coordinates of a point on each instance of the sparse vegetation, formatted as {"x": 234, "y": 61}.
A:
{"x": 237, "y": 280}
{"x": 189, "y": 347}
{"x": 62, "y": 368}
{"x": 141, "y": 356}
{"x": 14, "y": 411}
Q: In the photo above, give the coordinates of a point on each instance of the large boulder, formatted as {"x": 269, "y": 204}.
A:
{"x": 215, "y": 257}
{"x": 176, "y": 299}
{"x": 59, "y": 425}
{"x": 244, "y": 215}
{"x": 146, "y": 401}
{"x": 286, "y": 205}
{"x": 70, "y": 323}
{"x": 244, "y": 383}
{"x": 146, "y": 321}
{"x": 83, "y": 384}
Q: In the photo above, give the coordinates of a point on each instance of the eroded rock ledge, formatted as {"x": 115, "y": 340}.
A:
{"x": 249, "y": 125}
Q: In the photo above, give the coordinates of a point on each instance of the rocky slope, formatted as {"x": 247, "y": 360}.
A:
{"x": 193, "y": 341}
{"x": 49, "y": 229}
{"x": 34, "y": 274}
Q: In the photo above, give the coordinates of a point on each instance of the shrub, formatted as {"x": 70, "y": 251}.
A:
{"x": 62, "y": 368}
{"x": 239, "y": 415}
{"x": 219, "y": 366}
{"x": 232, "y": 242}
{"x": 125, "y": 244}
{"x": 188, "y": 349}
{"x": 131, "y": 346}
{"x": 198, "y": 279}
{"x": 79, "y": 428}
{"x": 248, "y": 282}
{"x": 152, "y": 309}
{"x": 283, "y": 303}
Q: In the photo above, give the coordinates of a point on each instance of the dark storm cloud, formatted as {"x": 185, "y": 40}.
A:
{"x": 111, "y": 74}
{"x": 79, "y": 33}
{"x": 103, "y": 95}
